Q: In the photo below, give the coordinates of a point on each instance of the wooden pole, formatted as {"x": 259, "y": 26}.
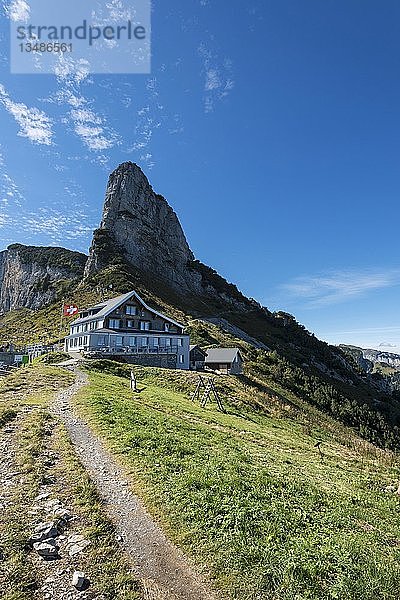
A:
{"x": 61, "y": 321}
{"x": 133, "y": 382}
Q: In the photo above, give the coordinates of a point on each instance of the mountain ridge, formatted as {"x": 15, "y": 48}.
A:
{"x": 376, "y": 356}
{"x": 132, "y": 252}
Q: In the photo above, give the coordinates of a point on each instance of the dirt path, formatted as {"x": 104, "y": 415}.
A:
{"x": 8, "y": 473}
{"x": 163, "y": 569}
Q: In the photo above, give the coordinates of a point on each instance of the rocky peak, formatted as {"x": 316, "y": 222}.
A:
{"x": 143, "y": 225}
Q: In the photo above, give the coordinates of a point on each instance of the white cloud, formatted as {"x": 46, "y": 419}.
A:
{"x": 92, "y": 130}
{"x": 147, "y": 159}
{"x": 213, "y": 81}
{"x": 18, "y": 10}
{"x": 47, "y": 226}
{"x": 19, "y": 221}
{"x": 218, "y": 77}
{"x": 90, "y": 127}
{"x": 34, "y": 123}
{"x": 148, "y": 122}
{"x": 9, "y": 191}
{"x": 340, "y": 286}
{"x": 115, "y": 12}
{"x": 3, "y": 219}
{"x": 102, "y": 161}
{"x": 70, "y": 71}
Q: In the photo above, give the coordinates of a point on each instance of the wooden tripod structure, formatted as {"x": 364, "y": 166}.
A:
{"x": 205, "y": 388}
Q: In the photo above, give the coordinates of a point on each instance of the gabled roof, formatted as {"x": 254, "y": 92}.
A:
{"x": 222, "y": 355}
{"x": 110, "y": 305}
{"x": 193, "y": 346}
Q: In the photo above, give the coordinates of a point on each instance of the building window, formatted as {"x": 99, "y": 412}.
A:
{"x": 101, "y": 340}
{"x": 114, "y": 323}
{"x": 181, "y": 359}
{"x": 118, "y": 340}
{"x": 130, "y": 341}
{"x": 144, "y": 325}
{"x": 180, "y": 342}
{"x": 156, "y": 342}
{"x": 167, "y": 341}
{"x": 131, "y": 310}
{"x": 130, "y": 324}
{"x": 145, "y": 341}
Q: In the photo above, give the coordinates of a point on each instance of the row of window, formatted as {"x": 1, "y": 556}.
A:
{"x": 129, "y": 340}
{"x": 114, "y": 324}
{"x": 86, "y": 327}
{"x": 78, "y": 342}
{"x": 143, "y": 325}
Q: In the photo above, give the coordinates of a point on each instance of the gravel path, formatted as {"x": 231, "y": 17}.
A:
{"x": 8, "y": 473}
{"x": 162, "y": 568}
{"x": 53, "y": 578}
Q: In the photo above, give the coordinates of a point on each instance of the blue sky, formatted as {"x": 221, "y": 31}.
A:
{"x": 272, "y": 128}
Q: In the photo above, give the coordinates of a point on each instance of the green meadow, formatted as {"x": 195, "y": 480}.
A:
{"x": 271, "y": 504}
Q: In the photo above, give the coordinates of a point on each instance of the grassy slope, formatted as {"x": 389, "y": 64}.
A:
{"x": 29, "y": 386}
{"x": 299, "y": 363}
{"x": 37, "y": 434}
{"x": 26, "y": 326}
{"x": 249, "y": 495}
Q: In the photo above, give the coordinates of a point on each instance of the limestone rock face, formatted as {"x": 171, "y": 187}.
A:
{"x": 29, "y": 275}
{"x": 377, "y": 356}
{"x": 144, "y": 227}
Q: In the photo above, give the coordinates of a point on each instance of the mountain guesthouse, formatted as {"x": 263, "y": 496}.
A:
{"x": 129, "y": 330}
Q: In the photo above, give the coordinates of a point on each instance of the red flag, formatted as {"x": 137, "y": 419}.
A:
{"x": 70, "y": 310}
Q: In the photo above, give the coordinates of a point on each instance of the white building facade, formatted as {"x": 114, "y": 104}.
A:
{"x": 128, "y": 328}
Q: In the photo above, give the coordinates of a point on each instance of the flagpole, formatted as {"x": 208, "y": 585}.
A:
{"x": 61, "y": 321}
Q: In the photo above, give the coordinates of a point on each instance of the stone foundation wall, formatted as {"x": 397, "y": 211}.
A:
{"x": 164, "y": 361}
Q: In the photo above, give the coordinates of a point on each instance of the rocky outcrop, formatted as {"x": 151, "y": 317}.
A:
{"x": 357, "y": 355}
{"x": 30, "y": 276}
{"x": 366, "y": 358}
{"x": 141, "y": 226}
{"x": 388, "y": 358}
